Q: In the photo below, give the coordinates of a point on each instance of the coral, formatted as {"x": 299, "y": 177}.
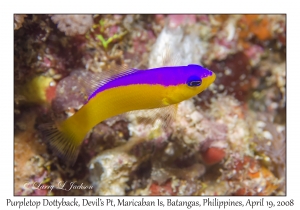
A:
{"x": 263, "y": 27}
{"x": 188, "y": 48}
{"x": 73, "y": 24}
{"x": 72, "y": 91}
{"x": 270, "y": 90}
{"x": 269, "y": 143}
{"x": 110, "y": 169}
{"x": 227, "y": 110}
{"x": 249, "y": 178}
{"x": 257, "y": 25}
{"x": 30, "y": 155}
{"x": 191, "y": 173}
{"x": 39, "y": 49}
{"x": 103, "y": 43}
{"x": 196, "y": 130}
{"x": 223, "y": 40}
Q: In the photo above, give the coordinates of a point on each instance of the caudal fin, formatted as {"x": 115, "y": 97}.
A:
{"x": 63, "y": 143}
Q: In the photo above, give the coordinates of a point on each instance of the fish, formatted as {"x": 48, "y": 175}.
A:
{"x": 133, "y": 89}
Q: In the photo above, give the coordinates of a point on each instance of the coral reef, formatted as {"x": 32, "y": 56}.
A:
{"x": 31, "y": 161}
{"x": 229, "y": 140}
{"x": 73, "y": 24}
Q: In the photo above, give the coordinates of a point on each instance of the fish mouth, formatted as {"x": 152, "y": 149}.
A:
{"x": 209, "y": 79}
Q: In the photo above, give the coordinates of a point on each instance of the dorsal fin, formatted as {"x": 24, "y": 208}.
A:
{"x": 104, "y": 77}
{"x": 100, "y": 79}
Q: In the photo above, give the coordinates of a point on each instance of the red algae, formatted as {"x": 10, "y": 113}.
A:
{"x": 164, "y": 189}
{"x": 213, "y": 155}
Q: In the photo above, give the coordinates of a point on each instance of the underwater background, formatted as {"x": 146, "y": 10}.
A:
{"x": 228, "y": 140}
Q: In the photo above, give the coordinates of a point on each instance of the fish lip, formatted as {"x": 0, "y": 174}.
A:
{"x": 209, "y": 79}
{"x": 213, "y": 76}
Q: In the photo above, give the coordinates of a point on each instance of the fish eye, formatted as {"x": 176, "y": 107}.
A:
{"x": 194, "y": 81}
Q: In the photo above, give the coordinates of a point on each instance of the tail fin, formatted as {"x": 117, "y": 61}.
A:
{"x": 62, "y": 142}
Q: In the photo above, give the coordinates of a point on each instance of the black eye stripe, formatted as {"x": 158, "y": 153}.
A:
{"x": 194, "y": 83}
